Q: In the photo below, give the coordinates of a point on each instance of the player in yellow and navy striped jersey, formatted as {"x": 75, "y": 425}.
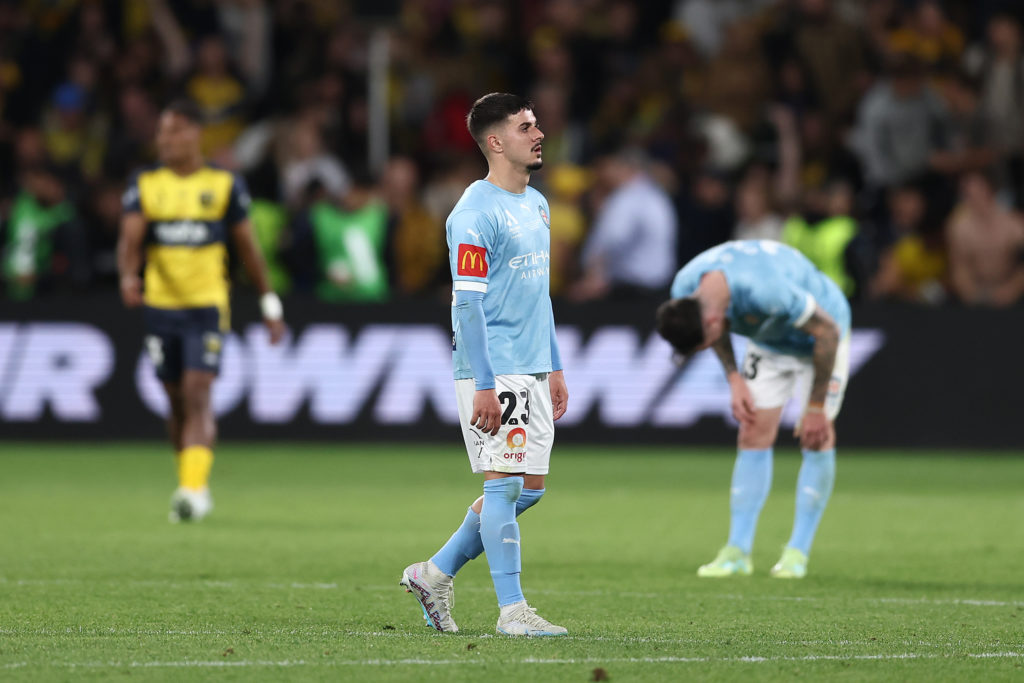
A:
{"x": 178, "y": 217}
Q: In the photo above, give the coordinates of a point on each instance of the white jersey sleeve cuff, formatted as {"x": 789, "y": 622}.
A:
{"x": 469, "y": 286}
{"x": 808, "y": 311}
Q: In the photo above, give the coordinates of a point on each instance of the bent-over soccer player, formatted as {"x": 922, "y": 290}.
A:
{"x": 508, "y": 374}
{"x": 178, "y": 216}
{"x": 798, "y": 323}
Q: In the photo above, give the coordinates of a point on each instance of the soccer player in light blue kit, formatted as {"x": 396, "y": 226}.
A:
{"x": 798, "y": 323}
{"x": 508, "y": 374}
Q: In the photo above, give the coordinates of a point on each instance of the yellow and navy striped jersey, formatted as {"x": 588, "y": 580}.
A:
{"x": 187, "y": 224}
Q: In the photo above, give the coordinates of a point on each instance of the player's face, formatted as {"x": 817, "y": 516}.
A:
{"x": 177, "y": 138}
{"x": 522, "y": 141}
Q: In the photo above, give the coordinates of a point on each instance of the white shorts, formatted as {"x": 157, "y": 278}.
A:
{"x": 523, "y": 444}
{"x": 774, "y": 377}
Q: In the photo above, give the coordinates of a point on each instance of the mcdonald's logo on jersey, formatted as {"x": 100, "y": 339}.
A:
{"x": 472, "y": 261}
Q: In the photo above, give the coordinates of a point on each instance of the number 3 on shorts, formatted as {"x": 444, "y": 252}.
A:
{"x": 750, "y": 366}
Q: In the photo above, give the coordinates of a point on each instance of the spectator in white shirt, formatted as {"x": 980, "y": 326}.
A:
{"x": 631, "y": 247}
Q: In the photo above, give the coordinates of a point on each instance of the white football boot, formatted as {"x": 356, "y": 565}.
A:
{"x": 190, "y": 505}
{"x": 519, "y": 619}
{"x": 435, "y": 592}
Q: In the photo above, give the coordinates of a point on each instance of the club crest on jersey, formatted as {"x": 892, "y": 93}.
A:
{"x": 544, "y": 216}
{"x": 471, "y": 260}
{"x": 206, "y": 199}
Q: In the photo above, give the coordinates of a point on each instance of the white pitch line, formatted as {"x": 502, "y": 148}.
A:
{"x": 749, "y": 659}
{"x": 188, "y": 663}
{"x": 329, "y": 586}
{"x": 635, "y": 640}
{"x": 410, "y": 635}
{"x": 953, "y": 601}
{"x": 970, "y": 602}
{"x": 159, "y": 583}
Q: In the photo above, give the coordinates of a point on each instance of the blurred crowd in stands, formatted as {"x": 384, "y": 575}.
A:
{"x": 883, "y": 138}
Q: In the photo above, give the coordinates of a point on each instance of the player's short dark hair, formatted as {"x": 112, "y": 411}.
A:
{"x": 493, "y": 108}
{"x": 679, "y": 322}
{"x": 186, "y": 109}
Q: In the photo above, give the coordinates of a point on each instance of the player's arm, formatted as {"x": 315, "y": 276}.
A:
{"x": 742, "y": 401}
{"x": 823, "y": 328}
{"x": 129, "y": 257}
{"x": 814, "y": 429}
{"x": 470, "y": 235}
{"x": 472, "y": 324}
{"x": 129, "y": 245}
{"x": 237, "y": 216}
{"x": 556, "y": 382}
{"x": 256, "y": 269}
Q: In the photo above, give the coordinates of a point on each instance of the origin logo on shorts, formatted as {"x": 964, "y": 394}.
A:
{"x": 516, "y": 442}
{"x": 471, "y": 261}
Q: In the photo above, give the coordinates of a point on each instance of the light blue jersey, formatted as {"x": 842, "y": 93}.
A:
{"x": 773, "y": 290}
{"x": 499, "y": 244}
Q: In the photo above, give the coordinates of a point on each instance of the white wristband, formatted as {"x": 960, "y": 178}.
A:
{"x": 270, "y": 306}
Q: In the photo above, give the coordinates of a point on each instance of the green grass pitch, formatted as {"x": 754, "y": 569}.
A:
{"x": 916, "y": 575}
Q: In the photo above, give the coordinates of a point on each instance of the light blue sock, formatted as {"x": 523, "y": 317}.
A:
{"x": 462, "y": 547}
{"x": 527, "y": 499}
{"x": 813, "y": 488}
{"x": 465, "y": 544}
{"x": 499, "y": 532}
{"x": 751, "y": 481}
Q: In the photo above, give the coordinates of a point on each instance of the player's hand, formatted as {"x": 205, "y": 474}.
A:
{"x": 131, "y": 290}
{"x": 486, "y": 411}
{"x": 742, "y": 402}
{"x": 559, "y": 393}
{"x": 276, "y": 329}
{"x": 813, "y": 430}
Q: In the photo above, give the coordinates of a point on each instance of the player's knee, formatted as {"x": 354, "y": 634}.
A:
{"x": 758, "y": 436}
{"x": 196, "y": 392}
{"x": 196, "y": 405}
